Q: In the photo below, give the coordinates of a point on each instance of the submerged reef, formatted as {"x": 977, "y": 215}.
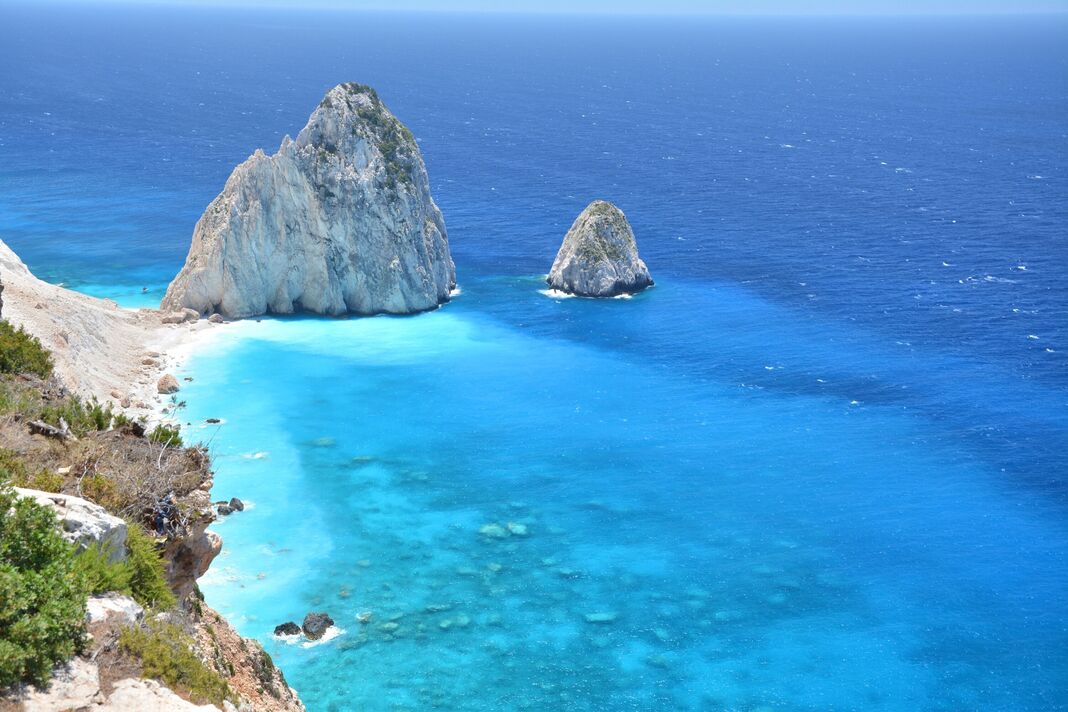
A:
{"x": 339, "y": 221}
{"x": 599, "y": 256}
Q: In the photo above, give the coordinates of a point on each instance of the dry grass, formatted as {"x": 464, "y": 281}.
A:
{"x": 119, "y": 469}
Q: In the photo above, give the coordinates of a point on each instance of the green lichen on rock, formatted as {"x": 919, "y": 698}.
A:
{"x": 599, "y": 256}
{"x": 393, "y": 139}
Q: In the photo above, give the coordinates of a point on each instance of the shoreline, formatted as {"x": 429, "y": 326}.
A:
{"x": 101, "y": 350}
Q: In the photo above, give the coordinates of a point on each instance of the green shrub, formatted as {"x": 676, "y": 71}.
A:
{"x": 22, "y": 353}
{"x": 148, "y": 578}
{"x": 141, "y": 575}
{"x": 99, "y": 574}
{"x": 18, "y": 397}
{"x": 166, "y": 654}
{"x": 82, "y": 416}
{"x": 102, "y": 490}
{"x": 166, "y": 435}
{"x": 42, "y": 599}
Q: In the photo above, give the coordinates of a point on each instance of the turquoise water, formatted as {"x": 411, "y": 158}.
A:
{"x": 756, "y": 548}
{"x": 822, "y": 465}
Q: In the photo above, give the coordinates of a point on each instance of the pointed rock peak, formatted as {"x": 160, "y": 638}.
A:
{"x": 340, "y": 220}
{"x": 599, "y": 256}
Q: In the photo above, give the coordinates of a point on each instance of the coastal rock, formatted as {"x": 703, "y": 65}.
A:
{"x": 132, "y": 695}
{"x": 599, "y": 256}
{"x": 287, "y": 628}
{"x": 180, "y": 316}
{"x": 315, "y": 625}
{"x": 167, "y": 384}
{"x": 236, "y": 504}
{"x": 75, "y": 685}
{"x": 340, "y": 220}
{"x": 84, "y": 524}
{"x": 190, "y": 556}
{"x": 108, "y": 606}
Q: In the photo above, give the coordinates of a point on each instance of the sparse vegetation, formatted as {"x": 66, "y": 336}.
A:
{"x": 140, "y": 575}
{"x": 166, "y": 654}
{"x": 15, "y": 470}
{"x": 166, "y": 435}
{"x": 42, "y": 599}
{"x": 148, "y": 580}
{"x": 82, "y": 416}
{"x": 393, "y": 137}
{"x": 22, "y": 353}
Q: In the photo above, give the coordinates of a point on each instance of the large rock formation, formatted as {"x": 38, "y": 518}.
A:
{"x": 599, "y": 257}
{"x": 84, "y": 524}
{"x": 339, "y": 220}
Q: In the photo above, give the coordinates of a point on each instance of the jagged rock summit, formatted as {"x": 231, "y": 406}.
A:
{"x": 340, "y": 220}
{"x": 599, "y": 256}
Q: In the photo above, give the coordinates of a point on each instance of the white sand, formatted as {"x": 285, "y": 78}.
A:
{"x": 100, "y": 349}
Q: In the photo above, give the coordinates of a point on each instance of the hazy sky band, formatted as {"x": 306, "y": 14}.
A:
{"x": 674, "y": 7}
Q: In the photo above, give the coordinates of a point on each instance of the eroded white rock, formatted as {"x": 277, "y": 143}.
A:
{"x": 113, "y": 607}
{"x": 599, "y": 256}
{"x": 340, "y": 220}
{"x": 83, "y": 523}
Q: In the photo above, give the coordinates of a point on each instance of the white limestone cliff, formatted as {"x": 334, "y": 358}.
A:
{"x": 340, "y": 220}
{"x": 599, "y": 256}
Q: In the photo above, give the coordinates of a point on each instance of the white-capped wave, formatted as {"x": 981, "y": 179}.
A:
{"x": 331, "y": 633}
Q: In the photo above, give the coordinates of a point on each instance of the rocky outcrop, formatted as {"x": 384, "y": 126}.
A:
{"x": 84, "y": 524}
{"x": 599, "y": 256}
{"x": 190, "y": 548}
{"x": 315, "y": 625}
{"x": 167, "y": 384}
{"x": 287, "y": 628}
{"x": 340, "y": 220}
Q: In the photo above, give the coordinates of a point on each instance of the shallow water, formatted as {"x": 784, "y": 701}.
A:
{"x": 821, "y": 465}
{"x": 755, "y": 546}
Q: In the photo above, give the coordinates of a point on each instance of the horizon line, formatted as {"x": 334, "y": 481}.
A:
{"x": 392, "y": 8}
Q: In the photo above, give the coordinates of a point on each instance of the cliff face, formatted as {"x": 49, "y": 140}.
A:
{"x": 599, "y": 256}
{"x": 339, "y": 220}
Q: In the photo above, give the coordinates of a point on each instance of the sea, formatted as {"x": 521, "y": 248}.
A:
{"x": 821, "y": 465}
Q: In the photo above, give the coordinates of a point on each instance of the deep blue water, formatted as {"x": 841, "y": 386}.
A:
{"x": 823, "y": 464}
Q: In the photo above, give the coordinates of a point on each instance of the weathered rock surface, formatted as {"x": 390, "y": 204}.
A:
{"x": 599, "y": 256}
{"x": 132, "y": 695}
{"x": 114, "y": 608}
{"x": 287, "y": 628}
{"x": 167, "y": 384}
{"x": 340, "y": 220}
{"x": 84, "y": 524}
{"x": 315, "y": 625}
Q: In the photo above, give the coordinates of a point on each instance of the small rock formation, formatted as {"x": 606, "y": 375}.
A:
{"x": 236, "y": 504}
{"x": 84, "y": 524}
{"x": 340, "y": 220}
{"x": 599, "y": 256}
{"x": 167, "y": 384}
{"x": 315, "y": 625}
{"x": 180, "y": 316}
{"x": 113, "y": 607}
{"x": 287, "y": 628}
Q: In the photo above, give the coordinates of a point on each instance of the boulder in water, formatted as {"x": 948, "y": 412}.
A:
{"x": 599, "y": 256}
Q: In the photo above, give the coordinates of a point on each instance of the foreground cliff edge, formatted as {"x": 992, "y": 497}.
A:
{"x": 339, "y": 221}
{"x": 89, "y": 472}
{"x": 599, "y": 256}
